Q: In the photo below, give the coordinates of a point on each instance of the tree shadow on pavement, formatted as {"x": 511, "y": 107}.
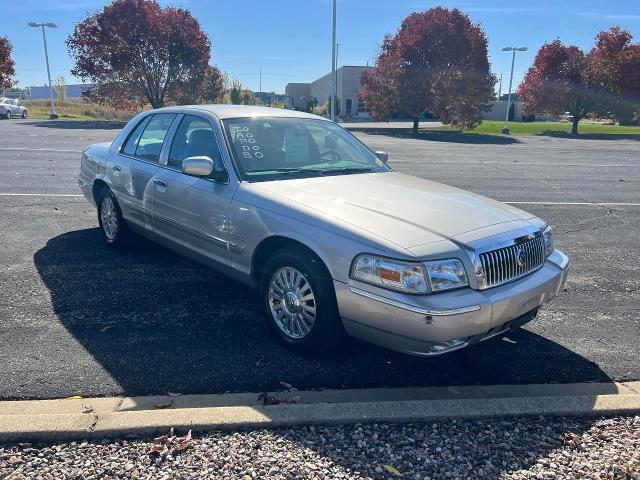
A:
{"x": 151, "y": 321}
{"x": 449, "y": 137}
{"x": 79, "y": 124}
{"x": 590, "y": 136}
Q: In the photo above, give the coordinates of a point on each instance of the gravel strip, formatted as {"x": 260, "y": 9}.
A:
{"x": 510, "y": 448}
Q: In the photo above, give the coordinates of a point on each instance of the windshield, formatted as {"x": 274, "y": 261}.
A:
{"x": 275, "y": 148}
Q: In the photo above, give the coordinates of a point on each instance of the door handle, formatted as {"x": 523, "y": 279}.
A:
{"x": 116, "y": 168}
{"x": 160, "y": 182}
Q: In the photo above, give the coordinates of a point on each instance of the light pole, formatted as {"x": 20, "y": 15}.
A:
{"x": 505, "y": 129}
{"x": 332, "y": 103}
{"x": 53, "y": 113}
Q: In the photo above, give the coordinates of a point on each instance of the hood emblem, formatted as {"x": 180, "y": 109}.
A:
{"x": 521, "y": 257}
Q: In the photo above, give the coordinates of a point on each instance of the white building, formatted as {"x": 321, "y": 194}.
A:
{"x": 348, "y": 87}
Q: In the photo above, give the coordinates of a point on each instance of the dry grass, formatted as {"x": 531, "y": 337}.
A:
{"x": 76, "y": 110}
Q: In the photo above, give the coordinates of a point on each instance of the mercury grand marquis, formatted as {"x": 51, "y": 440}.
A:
{"x": 335, "y": 241}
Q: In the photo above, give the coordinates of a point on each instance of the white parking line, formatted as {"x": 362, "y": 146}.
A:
{"x": 40, "y": 195}
{"x": 41, "y": 149}
{"x": 595, "y": 204}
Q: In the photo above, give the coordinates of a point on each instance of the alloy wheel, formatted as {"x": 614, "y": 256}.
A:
{"x": 292, "y": 302}
{"x": 109, "y": 217}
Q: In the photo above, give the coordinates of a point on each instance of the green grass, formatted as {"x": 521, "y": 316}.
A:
{"x": 493, "y": 127}
{"x": 75, "y": 110}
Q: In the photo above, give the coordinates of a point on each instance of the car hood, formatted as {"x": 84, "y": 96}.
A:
{"x": 406, "y": 210}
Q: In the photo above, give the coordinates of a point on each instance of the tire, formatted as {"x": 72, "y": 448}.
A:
{"x": 8, "y": 115}
{"x": 114, "y": 229}
{"x": 288, "y": 308}
{"x": 24, "y": 114}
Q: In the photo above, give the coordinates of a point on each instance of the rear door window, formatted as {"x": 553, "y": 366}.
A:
{"x": 129, "y": 147}
{"x": 150, "y": 142}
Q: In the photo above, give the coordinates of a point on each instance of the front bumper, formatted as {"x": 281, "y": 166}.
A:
{"x": 434, "y": 324}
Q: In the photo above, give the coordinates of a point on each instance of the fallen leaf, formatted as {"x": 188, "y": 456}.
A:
{"x": 74, "y": 397}
{"x": 87, "y": 409}
{"x": 184, "y": 442}
{"x": 392, "y": 469}
{"x": 160, "y": 406}
{"x": 288, "y": 386}
{"x": 173, "y": 394}
{"x": 106, "y": 329}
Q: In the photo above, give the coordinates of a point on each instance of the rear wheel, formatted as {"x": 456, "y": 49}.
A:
{"x": 24, "y": 114}
{"x": 8, "y": 115}
{"x": 113, "y": 227}
{"x": 300, "y": 303}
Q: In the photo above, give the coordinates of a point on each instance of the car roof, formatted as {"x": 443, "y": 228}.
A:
{"x": 223, "y": 111}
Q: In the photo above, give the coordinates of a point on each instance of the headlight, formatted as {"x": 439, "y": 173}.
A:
{"x": 434, "y": 276}
{"x": 446, "y": 274}
{"x": 549, "y": 245}
{"x": 394, "y": 274}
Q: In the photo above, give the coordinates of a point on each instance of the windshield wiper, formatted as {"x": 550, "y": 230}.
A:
{"x": 282, "y": 170}
{"x": 322, "y": 171}
{"x": 346, "y": 170}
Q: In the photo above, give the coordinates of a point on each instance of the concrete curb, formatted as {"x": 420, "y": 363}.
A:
{"x": 48, "y": 420}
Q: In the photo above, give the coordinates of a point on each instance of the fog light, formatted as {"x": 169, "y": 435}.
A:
{"x": 441, "y": 347}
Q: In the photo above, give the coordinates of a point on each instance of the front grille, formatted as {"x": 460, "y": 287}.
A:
{"x": 510, "y": 263}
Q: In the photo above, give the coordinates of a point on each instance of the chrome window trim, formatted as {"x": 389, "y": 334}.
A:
{"x": 437, "y": 312}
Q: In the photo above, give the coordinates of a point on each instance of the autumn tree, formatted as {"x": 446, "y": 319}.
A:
{"x": 138, "y": 47}
{"x": 436, "y": 62}
{"x": 614, "y": 67}
{"x": 560, "y": 81}
{"x": 7, "y": 70}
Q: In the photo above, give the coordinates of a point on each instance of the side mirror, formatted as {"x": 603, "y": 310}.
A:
{"x": 202, "y": 166}
{"x": 384, "y": 156}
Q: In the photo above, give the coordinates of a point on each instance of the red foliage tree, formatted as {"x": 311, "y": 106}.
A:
{"x": 7, "y": 70}
{"x": 436, "y": 62}
{"x": 138, "y": 47}
{"x": 559, "y": 81}
{"x": 615, "y": 68}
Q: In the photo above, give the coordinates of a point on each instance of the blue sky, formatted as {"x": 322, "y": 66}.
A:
{"x": 291, "y": 39}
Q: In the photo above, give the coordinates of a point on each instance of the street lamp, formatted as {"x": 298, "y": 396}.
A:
{"x": 53, "y": 113}
{"x": 333, "y": 67}
{"x": 505, "y": 129}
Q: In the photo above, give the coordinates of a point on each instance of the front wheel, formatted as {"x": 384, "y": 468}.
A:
{"x": 24, "y": 114}
{"x": 113, "y": 227}
{"x": 300, "y": 302}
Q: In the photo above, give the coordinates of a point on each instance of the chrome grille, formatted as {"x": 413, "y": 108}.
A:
{"x": 502, "y": 265}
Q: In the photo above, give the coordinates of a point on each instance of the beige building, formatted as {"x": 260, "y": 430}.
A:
{"x": 499, "y": 110}
{"x": 348, "y": 86}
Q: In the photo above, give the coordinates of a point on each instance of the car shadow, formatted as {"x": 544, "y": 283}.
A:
{"x": 448, "y": 137}
{"x": 591, "y": 136}
{"x": 79, "y": 124}
{"x": 156, "y": 322}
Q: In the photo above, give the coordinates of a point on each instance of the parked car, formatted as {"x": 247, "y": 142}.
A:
{"x": 335, "y": 241}
{"x": 10, "y": 107}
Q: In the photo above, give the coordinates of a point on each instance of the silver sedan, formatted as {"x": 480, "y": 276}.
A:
{"x": 10, "y": 107}
{"x": 334, "y": 240}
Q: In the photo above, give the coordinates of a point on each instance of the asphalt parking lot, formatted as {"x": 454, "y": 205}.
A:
{"x": 77, "y": 318}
